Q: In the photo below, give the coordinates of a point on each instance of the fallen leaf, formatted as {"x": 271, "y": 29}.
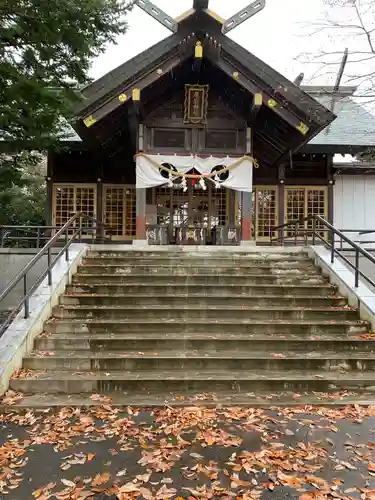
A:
{"x": 101, "y": 479}
{"x": 145, "y": 478}
{"x": 68, "y": 483}
{"x": 90, "y": 456}
{"x": 121, "y": 473}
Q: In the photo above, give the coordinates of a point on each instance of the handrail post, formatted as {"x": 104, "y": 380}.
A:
{"x": 295, "y": 233}
{"x": 356, "y": 284}
{"x": 66, "y": 245}
{"x": 38, "y": 238}
{"x": 332, "y": 246}
{"x": 2, "y": 237}
{"x": 314, "y": 231}
{"x": 80, "y": 229}
{"x": 27, "y": 300}
{"x": 49, "y": 263}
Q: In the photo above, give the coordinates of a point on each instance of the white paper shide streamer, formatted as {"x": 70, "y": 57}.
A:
{"x": 239, "y": 178}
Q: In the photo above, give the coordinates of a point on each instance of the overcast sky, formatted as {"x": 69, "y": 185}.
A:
{"x": 277, "y": 35}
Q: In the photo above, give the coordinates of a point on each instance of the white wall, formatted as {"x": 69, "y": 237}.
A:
{"x": 354, "y": 204}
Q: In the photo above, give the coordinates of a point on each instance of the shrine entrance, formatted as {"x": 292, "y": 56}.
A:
{"x": 195, "y": 216}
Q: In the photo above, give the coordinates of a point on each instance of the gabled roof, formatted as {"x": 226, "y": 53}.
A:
{"x": 354, "y": 126}
{"x": 131, "y": 70}
{"x": 296, "y": 116}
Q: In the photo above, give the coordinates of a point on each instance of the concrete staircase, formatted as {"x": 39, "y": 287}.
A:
{"x": 250, "y": 328}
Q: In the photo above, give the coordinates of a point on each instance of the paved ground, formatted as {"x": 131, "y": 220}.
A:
{"x": 106, "y": 452}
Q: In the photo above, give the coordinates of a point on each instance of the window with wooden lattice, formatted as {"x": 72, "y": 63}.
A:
{"x": 120, "y": 210}
{"x": 301, "y": 202}
{"x": 265, "y": 211}
{"x": 70, "y": 199}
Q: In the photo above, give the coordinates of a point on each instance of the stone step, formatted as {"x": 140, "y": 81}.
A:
{"x": 201, "y": 279}
{"x": 220, "y": 342}
{"x": 168, "y": 314}
{"x": 156, "y": 381}
{"x": 177, "y": 300}
{"x": 90, "y": 361}
{"x": 205, "y": 262}
{"x": 230, "y": 270}
{"x": 212, "y": 254}
{"x": 212, "y": 326}
{"x": 219, "y": 290}
{"x": 284, "y": 399}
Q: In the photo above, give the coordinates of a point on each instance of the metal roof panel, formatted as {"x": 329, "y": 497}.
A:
{"x": 354, "y": 125}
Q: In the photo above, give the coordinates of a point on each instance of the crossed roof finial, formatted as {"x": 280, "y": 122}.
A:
{"x": 200, "y": 4}
{"x": 231, "y": 23}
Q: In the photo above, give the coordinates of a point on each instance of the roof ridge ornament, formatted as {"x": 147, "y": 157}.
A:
{"x": 243, "y": 15}
{"x": 158, "y": 14}
{"x": 168, "y": 22}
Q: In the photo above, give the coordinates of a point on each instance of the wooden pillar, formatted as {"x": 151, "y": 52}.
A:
{"x": 49, "y": 185}
{"x": 231, "y": 219}
{"x": 281, "y": 202}
{"x": 141, "y": 198}
{"x": 247, "y": 200}
{"x": 141, "y": 214}
{"x": 100, "y": 208}
{"x": 331, "y": 184}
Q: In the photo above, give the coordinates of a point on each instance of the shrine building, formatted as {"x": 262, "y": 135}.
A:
{"x": 196, "y": 140}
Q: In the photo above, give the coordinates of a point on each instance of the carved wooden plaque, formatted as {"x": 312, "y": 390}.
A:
{"x": 196, "y": 103}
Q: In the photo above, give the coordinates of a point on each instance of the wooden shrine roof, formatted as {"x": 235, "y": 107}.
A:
{"x": 286, "y": 108}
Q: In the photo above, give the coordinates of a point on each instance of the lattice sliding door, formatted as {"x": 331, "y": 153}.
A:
{"x": 120, "y": 210}
{"x": 69, "y": 199}
{"x": 304, "y": 201}
{"x": 265, "y": 211}
{"x": 317, "y": 204}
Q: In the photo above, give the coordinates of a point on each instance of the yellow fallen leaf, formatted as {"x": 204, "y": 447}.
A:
{"x": 90, "y": 456}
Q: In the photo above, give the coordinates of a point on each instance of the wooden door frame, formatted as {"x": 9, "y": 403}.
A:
{"x": 265, "y": 187}
{"x": 74, "y": 185}
{"x": 306, "y": 189}
{"x": 124, "y": 236}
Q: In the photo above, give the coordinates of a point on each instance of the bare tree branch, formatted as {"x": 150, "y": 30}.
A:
{"x": 353, "y": 23}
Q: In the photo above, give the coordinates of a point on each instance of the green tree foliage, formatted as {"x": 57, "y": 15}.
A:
{"x": 24, "y": 202}
{"x": 46, "y": 48}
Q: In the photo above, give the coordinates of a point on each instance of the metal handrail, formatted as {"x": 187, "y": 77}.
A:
{"x": 43, "y": 233}
{"x": 66, "y": 232}
{"x": 319, "y": 226}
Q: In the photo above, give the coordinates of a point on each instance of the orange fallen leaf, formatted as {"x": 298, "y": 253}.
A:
{"x": 90, "y": 456}
{"x": 101, "y": 479}
{"x": 371, "y": 466}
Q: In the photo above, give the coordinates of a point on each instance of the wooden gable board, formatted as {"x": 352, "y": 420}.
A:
{"x": 127, "y": 72}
